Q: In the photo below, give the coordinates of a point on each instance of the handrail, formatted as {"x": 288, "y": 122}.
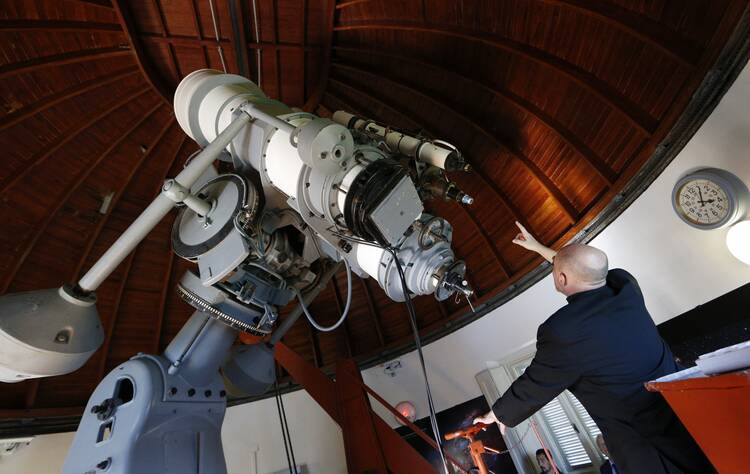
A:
{"x": 409, "y": 424}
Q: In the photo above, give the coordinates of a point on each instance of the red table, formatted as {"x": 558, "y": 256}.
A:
{"x": 716, "y": 411}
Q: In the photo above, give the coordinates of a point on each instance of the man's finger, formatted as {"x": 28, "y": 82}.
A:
{"x": 522, "y": 228}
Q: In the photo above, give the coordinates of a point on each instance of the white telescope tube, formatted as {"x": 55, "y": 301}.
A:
{"x": 158, "y": 208}
{"x": 422, "y": 150}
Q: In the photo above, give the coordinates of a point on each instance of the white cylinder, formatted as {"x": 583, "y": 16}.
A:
{"x": 204, "y": 101}
{"x": 283, "y": 164}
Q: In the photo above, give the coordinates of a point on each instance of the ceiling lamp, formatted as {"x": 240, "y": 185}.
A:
{"x": 407, "y": 410}
{"x": 738, "y": 241}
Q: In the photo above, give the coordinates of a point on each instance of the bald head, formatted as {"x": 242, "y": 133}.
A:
{"x": 584, "y": 267}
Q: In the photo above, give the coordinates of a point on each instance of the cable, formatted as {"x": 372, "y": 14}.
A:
{"x": 346, "y": 308}
{"x": 216, "y": 32}
{"x": 283, "y": 431}
{"x": 418, "y": 343}
{"x": 286, "y": 426}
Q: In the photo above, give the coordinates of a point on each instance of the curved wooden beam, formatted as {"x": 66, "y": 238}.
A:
{"x": 317, "y": 94}
{"x": 57, "y": 26}
{"x": 40, "y": 229}
{"x": 596, "y": 162}
{"x": 62, "y": 59}
{"x": 165, "y": 34}
{"x": 40, "y": 157}
{"x": 124, "y": 16}
{"x": 51, "y": 100}
{"x": 345, "y": 325}
{"x": 638, "y": 26}
{"x": 554, "y": 192}
{"x": 606, "y": 93}
{"x": 374, "y": 316}
{"x": 64, "y": 138}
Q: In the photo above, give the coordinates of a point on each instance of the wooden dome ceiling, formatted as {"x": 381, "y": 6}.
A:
{"x": 557, "y": 104}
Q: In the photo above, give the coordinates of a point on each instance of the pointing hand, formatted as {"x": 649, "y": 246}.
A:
{"x": 526, "y": 240}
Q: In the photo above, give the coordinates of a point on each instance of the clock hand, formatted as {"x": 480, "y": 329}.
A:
{"x": 701, "y": 195}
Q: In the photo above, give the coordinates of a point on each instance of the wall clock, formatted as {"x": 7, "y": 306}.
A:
{"x": 710, "y": 198}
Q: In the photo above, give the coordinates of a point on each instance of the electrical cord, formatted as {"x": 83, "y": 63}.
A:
{"x": 286, "y": 425}
{"x": 284, "y": 431}
{"x": 418, "y": 343}
{"x": 346, "y": 308}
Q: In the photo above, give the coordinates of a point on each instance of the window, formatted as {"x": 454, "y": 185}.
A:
{"x": 568, "y": 428}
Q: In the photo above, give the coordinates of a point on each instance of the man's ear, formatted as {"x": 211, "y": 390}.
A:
{"x": 562, "y": 279}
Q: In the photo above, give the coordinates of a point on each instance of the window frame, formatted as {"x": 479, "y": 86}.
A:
{"x": 515, "y": 367}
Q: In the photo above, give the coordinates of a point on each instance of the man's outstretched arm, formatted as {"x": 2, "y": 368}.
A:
{"x": 527, "y": 241}
{"x": 545, "y": 378}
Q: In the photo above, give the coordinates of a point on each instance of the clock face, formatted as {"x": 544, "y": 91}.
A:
{"x": 702, "y": 202}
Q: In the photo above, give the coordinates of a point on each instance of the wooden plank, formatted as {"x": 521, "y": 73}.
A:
{"x": 42, "y": 227}
{"x": 78, "y": 271}
{"x": 165, "y": 34}
{"x": 642, "y": 27}
{"x": 340, "y": 307}
{"x": 150, "y": 73}
{"x": 317, "y": 93}
{"x": 51, "y": 100}
{"x": 65, "y": 137}
{"x": 57, "y": 26}
{"x": 504, "y": 267}
{"x": 277, "y": 56}
{"x": 62, "y": 59}
{"x": 596, "y": 162}
{"x": 189, "y": 41}
{"x": 373, "y": 311}
{"x": 551, "y": 188}
{"x": 592, "y": 84}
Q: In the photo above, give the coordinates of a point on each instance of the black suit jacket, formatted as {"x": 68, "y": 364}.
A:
{"x": 606, "y": 468}
{"x": 602, "y": 346}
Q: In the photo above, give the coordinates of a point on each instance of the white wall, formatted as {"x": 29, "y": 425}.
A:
{"x": 44, "y": 455}
{"x": 678, "y": 268}
{"x": 255, "y": 427}
{"x": 251, "y": 435}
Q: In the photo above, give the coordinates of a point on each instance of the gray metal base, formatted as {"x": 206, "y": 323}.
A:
{"x": 143, "y": 419}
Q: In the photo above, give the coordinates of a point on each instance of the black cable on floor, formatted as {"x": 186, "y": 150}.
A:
{"x": 418, "y": 342}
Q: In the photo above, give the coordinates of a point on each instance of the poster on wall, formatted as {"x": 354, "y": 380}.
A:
{"x": 455, "y": 419}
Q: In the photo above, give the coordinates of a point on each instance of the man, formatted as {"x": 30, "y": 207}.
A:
{"x": 608, "y": 466}
{"x": 544, "y": 465}
{"x": 602, "y": 346}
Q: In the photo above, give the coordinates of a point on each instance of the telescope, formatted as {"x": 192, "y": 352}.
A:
{"x": 298, "y": 197}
